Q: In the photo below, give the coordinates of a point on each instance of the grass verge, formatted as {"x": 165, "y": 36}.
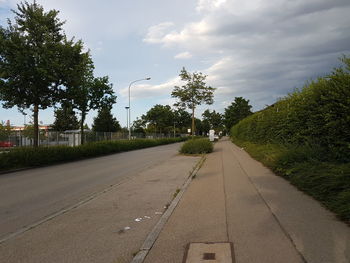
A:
{"x": 326, "y": 181}
{"x": 31, "y": 157}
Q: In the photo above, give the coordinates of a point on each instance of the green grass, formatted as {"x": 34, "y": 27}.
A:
{"x": 197, "y": 146}
{"x": 31, "y": 157}
{"x": 328, "y": 182}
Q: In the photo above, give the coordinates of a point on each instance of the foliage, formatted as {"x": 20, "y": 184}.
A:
{"x": 238, "y": 110}
{"x": 212, "y": 120}
{"x": 317, "y": 116}
{"x": 37, "y": 62}
{"x": 105, "y": 122}
{"x": 197, "y": 146}
{"x": 305, "y": 137}
{"x": 29, "y": 132}
{"x": 65, "y": 119}
{"x": 28, "y": 156}
{"x": 139, "y": 126}
{"x": 90, "y": 93}
{"x": 326, "y": 181}
{"x": 160, "y": 117}
{"x": 5, "y": 131}
{"x": 182, "y": 120}
{"x": 193, "y": 93}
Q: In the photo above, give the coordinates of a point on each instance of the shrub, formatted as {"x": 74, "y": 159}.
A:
{"x": 197, "y": 146}
{"x": 317, "y": 116}
{"x": 29, "y": 156}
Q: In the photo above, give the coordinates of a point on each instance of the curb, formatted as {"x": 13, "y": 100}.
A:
{"x": 153, "y": 235}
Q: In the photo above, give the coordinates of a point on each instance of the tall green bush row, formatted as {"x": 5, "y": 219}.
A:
{"x": 28, "y": 157}
{"x": 318, "y": 117}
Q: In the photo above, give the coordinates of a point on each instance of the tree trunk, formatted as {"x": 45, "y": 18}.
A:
{"x": 193, "y": 121}
{"x": 36, "y": 125}
{"x": 82, "y": 138}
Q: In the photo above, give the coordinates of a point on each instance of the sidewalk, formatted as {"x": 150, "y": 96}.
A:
{"x": 235, "y": 199}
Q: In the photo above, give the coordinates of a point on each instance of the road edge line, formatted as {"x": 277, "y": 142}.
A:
{"x": 153, "y": 235}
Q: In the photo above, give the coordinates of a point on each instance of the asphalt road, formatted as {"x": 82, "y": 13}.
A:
{"x": 33, "y": 195}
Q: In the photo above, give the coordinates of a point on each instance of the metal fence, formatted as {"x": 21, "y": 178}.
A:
{"x": 73, "y": 138}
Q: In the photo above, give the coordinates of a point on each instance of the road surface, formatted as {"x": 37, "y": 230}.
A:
{"x": 30, "y": 196}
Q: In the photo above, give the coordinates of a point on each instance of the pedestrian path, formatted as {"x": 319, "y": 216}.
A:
{"x": 234, "y": 199}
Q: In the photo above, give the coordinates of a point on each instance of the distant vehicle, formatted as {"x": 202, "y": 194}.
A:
{"x": 6, "y": 144}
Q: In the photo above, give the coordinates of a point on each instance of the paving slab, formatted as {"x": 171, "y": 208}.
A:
{"x": 236, "y": 199}
{"x": 199, "y": 216}
{"x": 109, "y": 228}
{"x": 315, "y": 231}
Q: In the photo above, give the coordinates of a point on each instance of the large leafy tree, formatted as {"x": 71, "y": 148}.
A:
{"x": 139, "y": 126}
{"x": 211, "y": 120}
{"x": 65, "y": 119}
{"x": 36, "y": 61}
{"x": 193, "y": 93}
{"x": 238, "y": 110}
{"x": 5, "y": 131}
{"x": 90, "y": 93}
{"x": 182, "y": 120}
{"x": 105, "y": 121}
{"x": 161, "y": 117}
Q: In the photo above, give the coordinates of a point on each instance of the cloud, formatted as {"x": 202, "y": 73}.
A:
{"x": 156, "y": 33}
{"x": 183, "y": 55}
{"x": 206, "y": 5}
{"x": 142, "y": 91}
{"x": 262, "y": 50}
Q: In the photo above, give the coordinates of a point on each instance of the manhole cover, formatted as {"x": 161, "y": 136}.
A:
{"x": 209, "y": 253}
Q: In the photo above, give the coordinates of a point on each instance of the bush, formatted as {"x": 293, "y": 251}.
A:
{"x": 197, "y": 146}
{"x": 29, "y": 156}
{"x": 327, "y": 182}
{"x": 318, "y": 116}
{"x": 305, "y": 137}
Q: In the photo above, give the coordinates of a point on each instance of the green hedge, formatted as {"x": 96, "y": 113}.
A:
{"x": 305, "y": 137}
{"x": 318, "y": 116}
{"x": 197, "y": 146}
{"x": 29, "y": 156}
{"x": 327, "y": 182}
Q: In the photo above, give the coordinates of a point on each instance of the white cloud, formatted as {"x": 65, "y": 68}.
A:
{"x": 183, "y": 55}
{"x": 157, "y": 32}
{"x": 147, "y": 90}
{"x": 262, "y": 49}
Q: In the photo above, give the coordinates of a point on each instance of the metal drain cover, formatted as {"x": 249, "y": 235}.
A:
{"x": 209, "y": 253}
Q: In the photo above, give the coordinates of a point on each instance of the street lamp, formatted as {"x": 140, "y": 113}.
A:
{"x": 129, "y": 121}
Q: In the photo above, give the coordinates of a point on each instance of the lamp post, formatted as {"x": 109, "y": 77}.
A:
{"x": 129, "y": 121}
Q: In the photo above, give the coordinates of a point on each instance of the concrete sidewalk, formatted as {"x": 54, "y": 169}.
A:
{"x": 235, "y": 199}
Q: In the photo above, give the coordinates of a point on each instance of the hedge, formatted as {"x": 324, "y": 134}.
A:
{"x": 29, "y": 156}
{"x": 318, "y": 116}
{"x": 197, "y": 146}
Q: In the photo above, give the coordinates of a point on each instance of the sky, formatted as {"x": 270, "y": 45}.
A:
{"x": 256, "y": 49}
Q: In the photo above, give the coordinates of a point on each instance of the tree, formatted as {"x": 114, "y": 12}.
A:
{"x": 182, "y": 120}
{"x": 29, "y": 132}
{"x": 139, "y": 126}
{"x": 5, "y": 131}
{"x": 89, "y": 93}
{"x": 211, "y": 120}
{"x": 199, "y": 126}
{"x": 161, "y": 117}
{"x": 36, "y": 61}
{"x": 65, "y": 119}
{"x": 105, "y": 122}
{"x": 193, "y": 93}
{"x": 238, "y": 110}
